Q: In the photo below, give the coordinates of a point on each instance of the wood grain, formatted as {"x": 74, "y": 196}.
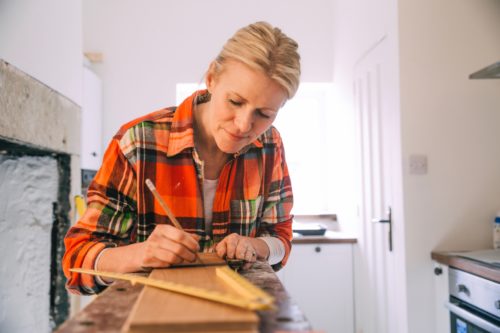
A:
{"x": 163, "y": 311}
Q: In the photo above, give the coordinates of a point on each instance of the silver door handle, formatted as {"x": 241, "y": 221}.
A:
{"x": 389, "y": 221}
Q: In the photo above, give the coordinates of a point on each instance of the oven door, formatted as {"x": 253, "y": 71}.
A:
{"x": 464, "y": 320}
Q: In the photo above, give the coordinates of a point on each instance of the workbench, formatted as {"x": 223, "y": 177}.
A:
{"x": 108, "y": 312}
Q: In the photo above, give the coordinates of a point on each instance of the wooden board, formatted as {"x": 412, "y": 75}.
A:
{"x": 207, "y": 259}
{"x": 164, "y": 311}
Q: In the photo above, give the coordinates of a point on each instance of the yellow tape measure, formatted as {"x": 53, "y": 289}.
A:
{"x": 250, "y": 296}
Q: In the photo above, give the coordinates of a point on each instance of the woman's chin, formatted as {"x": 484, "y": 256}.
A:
{"x": 230, "y": 148}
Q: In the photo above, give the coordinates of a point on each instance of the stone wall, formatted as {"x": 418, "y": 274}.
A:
{"x": 39, "y": 174}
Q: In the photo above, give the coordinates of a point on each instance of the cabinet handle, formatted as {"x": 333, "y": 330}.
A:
{"x": 317, "y": 249}
{"x": 438, "y": 271}
{"x": 462, "y": 288}
{"x": 94, "y": 154}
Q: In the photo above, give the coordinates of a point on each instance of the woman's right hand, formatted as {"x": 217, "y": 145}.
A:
{"x": 168, "y": 245}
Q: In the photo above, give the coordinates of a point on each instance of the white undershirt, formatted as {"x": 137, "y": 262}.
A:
{"x": 276, "y": 247}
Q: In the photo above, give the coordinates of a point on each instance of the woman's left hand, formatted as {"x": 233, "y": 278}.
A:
{"x": 235, "y": 246}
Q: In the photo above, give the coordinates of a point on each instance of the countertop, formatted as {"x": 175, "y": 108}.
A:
{"x": 108, "y": 312}
{"x": 330, "y": 237}
{"x": 456, "y": 260}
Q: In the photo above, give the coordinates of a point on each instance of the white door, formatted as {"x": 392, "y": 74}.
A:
{"x": 379, "y": 259}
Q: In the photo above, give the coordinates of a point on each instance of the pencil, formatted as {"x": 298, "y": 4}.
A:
{"x": 167, "y": 210}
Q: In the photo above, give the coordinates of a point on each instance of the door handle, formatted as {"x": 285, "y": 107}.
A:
{"x": 389, "y": 221}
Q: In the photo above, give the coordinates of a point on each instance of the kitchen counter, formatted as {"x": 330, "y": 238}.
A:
{"x": 460, "y": 261}
{"x": 330, "y": 237}
{"x": 109, "y": 311}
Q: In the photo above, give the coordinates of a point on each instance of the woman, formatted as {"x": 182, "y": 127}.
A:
{"x": 216, "y": 161}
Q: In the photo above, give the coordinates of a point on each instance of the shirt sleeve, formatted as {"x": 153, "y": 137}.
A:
{"x": 276, "y": 250}
{"x": 276, "y": 216}
{"x": 107, "y": 222}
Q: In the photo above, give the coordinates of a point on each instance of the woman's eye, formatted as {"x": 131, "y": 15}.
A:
{"x": 235, "y": 103}
{"x": 262, "y": 114}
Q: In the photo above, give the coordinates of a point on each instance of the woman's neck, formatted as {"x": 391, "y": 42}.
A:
{"x": 214, "y": 159}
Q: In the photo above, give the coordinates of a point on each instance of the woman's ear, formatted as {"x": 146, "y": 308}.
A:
{"x": 210, "y": 76}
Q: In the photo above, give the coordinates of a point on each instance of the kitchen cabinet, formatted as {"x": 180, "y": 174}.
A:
{"x": 319, "y": 277}
{"x": 441, "y": 292}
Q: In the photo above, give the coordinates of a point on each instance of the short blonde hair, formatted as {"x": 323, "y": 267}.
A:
{"x": 266, "y": 48}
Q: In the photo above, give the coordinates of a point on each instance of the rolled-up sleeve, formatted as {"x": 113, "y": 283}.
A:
{"x": 276, "y": 216}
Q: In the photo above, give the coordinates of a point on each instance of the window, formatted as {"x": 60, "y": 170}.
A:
{"x": 318, "y": 148}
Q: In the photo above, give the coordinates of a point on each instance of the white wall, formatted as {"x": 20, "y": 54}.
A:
{"x": 455, "y": 122}
{"x": 446, "y": 116}
{"x": 44, "y": 40}
{"x": 149, "y": 46}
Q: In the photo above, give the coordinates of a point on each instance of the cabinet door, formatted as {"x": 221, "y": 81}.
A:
{"x": 441, "y": 292}
{"x": 319, "y": 277}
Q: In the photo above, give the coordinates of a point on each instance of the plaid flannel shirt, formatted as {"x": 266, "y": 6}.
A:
{"x": 253, "y": 197}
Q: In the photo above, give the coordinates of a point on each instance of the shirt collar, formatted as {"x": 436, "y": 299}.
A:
{"x": 181, "y": 131}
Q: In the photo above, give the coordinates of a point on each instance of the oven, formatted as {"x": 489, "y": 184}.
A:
{"x": 474, "y": 303}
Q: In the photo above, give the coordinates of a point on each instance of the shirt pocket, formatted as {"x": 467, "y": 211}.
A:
{"x": 244, "y": 214}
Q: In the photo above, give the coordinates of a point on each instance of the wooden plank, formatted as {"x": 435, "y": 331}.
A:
{"x": 207, "y": 259}
{"x": 163, "y": 311}
{"x": 108, "y": 312}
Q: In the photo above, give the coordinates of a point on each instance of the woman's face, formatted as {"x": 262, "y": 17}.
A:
{"x": 243, "y": 105}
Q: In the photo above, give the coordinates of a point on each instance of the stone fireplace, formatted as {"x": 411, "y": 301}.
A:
{"x": 39, "y": 174}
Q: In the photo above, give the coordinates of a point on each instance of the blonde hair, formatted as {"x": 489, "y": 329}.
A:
{"x": 266, "y": 48}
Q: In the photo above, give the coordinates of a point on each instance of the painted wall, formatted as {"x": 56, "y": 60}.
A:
{"x": 150, "y": 46}
{"x": 444, "y": 115}
{"x": 454, "y": 121}
{"x": 25, "y": 238}
{"x": 44, "y": 39}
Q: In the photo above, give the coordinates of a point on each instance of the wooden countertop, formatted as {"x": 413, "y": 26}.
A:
{"x": 330, "y": 237}
{"x": 468, "y": 265}
{"x": 108, "y": 312}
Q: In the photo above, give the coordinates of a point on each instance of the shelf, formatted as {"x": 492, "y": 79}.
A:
{"x": 490, "y": 72}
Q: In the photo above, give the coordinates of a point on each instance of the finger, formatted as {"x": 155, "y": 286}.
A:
{"x": 250, "y": 254}
{"x": 190, "y": 241}
{"x": 178, "y": 249}
{"x": 247, "y": 265}
{"x": 168, "y": 257}
{"x": 231, "y": 245}
{"x": 221, "y": 249}
{"x": 160, "y": 258}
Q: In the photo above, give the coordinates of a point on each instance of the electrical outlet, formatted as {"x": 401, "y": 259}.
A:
{"x": 418, "y": 164}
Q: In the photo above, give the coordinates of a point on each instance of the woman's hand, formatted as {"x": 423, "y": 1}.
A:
{"x": 249, "y": 249}
{"x": 168, "y": 245}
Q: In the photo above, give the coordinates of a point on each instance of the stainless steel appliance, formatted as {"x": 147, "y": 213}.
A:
{"x": 474, "y": 303}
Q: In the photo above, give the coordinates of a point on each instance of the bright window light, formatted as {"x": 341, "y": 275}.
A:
{"x": 318, "y": 147}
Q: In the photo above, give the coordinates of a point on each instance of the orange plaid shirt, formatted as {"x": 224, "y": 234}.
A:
{"x": 253, "y": 196}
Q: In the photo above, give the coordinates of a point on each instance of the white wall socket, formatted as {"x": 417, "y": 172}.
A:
{"x": 418, "y": 164}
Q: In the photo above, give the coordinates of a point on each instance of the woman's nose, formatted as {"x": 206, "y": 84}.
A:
{"x": 243, "y": 121}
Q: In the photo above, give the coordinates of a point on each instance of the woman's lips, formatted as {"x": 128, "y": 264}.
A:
{"x": 235, "y": 136}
